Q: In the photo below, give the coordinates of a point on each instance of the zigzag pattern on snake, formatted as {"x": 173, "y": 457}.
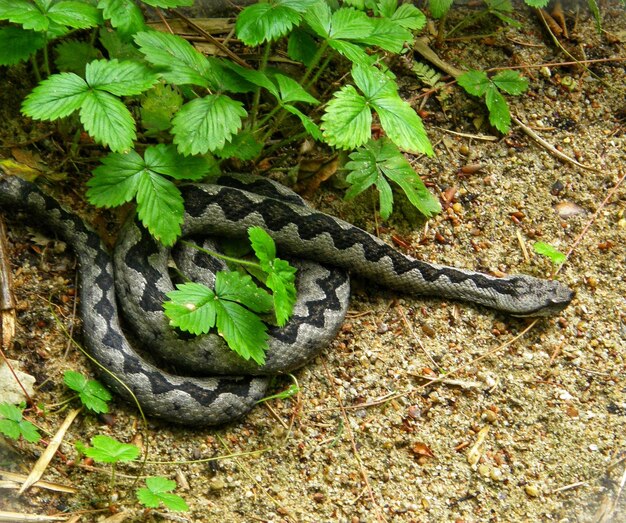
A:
{"x": 230, "y": 386}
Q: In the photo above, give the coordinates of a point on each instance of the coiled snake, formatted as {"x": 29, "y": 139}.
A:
{"x": 228, "y": 386}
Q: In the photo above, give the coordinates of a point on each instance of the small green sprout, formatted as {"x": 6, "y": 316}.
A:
{"x": 92, "y": 393}
{"x": 157, "y": 491}
{"x": 545, "y": 249}
{"x": 13, "y": 425}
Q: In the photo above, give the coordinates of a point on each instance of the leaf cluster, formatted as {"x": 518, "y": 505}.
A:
{"x": 479, "y": 84}
{"x": 92, "y": 393}
{"x": 13, "y": 425}
{"x": 105, "y": 449}
{"x": 199, "y": 106}
{"x": 233, "y": 306}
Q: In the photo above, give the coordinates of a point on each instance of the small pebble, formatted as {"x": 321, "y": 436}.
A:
{"x": 532, "y": 490}
{"x": 217, "y": 484}
{"x": 496, "y": 474}
{"x": 318, "y": 497}
{"x": 490, "y": 416}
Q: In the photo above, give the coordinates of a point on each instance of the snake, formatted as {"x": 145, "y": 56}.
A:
{"x": 201, "y": 382}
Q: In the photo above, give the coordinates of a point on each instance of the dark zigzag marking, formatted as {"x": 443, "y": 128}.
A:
{"x": 236, "y": 206}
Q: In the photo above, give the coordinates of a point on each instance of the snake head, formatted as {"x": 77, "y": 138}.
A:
{"x": 536, "y": 297}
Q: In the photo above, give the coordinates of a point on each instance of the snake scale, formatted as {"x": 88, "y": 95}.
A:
{"x": 219, "y": 386}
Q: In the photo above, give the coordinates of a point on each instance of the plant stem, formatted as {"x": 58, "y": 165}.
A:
{"x": 305, "y": 83}
{"x": 33, "y": 60}
{"x": 316, "y": 59}
{"x": 257, "y": 92}
{"x": 221, "y": 256}
{"x": 46, "y": 59}
{"x": 467, "y": 21}
{"x": 319, "y": 71}
{"x": 112, "y": 475}
{"x": 75, "y": 140}
{"x": 284, "y": 142}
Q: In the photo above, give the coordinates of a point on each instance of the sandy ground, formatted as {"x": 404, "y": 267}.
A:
{"x": 529, "y": 421}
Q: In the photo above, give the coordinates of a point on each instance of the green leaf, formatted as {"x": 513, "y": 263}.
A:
{"x": 506, "y": 19}
{"x": 73, "y": 56}
{"x": 438, "y": 8}
{"x": 240, "y": 288}
{"x": 349, "y": 24}
{"x": 378, "y": 160}
{"x": 92, "y": 393}
{"x": 123, "y": 176}
{"x": 25, "y": 13}
{"x": 196, "y": 309}
{"x": 540, "y": 4}
{"x": 318, "y": 17}
{"x": 158, "y": 106}
{"x": 57, "y": 96}
{"x": 165, "y": 159}
{"x": 227, "y": 77}
{"x": 401, "y": 172}
{"x": 366, "y": 170}
{"x": 10, "y": 428}
{"x": 595, "y": 11}
{"x": 510, "y": 82}
{"x": 301, "y": 47}
{"x": 409, "y": 16}
{"x": 13, "y": 425}
{"x": 178, "y": 62}
{"x": 281, "y": 280}
{"x": 243, "y": 145}
{"x": 29, "y": 431}
{"x": 373, "y": 83}
{"x": 309, "y": 125}
{"x": 10, "y": 412}
{"x": 78, "y": 15}
{"x": 499, "y": 6}
{"x": 117, "y": 47}
{"x": 291, "y": 91}
{"x": 402, "y": 125}
{"x": 115, "y": 182}
{"x": 398, "y": 119}
{"x": 281, "y": 276}
{"x": 191, "y": 308}
{"x": 243, "y": 330}
{"x": 204, "y": 124}
{"x": 292, "y": 390}
{"x": 545, "y": 249}
{"x": 124, "y": 15}
{"x": 388, "y": 35}
{"x": 119, "y": 78}
{"x": 254, "y": 77}
{"x": 499, "y": 115}
{"x": 268, "y": 21}
{"x": 157, "y": 491}
{"x": 347, "y": 122}
{"x": 262, "y": 244}
{"x": 386, "y": 8}
{"x": 17, "y": 44}
{"x": 108, "y": 120}
{"x": 169, "y": 4}
{"x": 108, "y": 450}
{"x": 474, "y": 82}
{"x": 160, "y": 207}
{"x": 352, "y": 52}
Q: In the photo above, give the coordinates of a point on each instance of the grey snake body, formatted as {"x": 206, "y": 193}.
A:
{"x": 229, "y": 386}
